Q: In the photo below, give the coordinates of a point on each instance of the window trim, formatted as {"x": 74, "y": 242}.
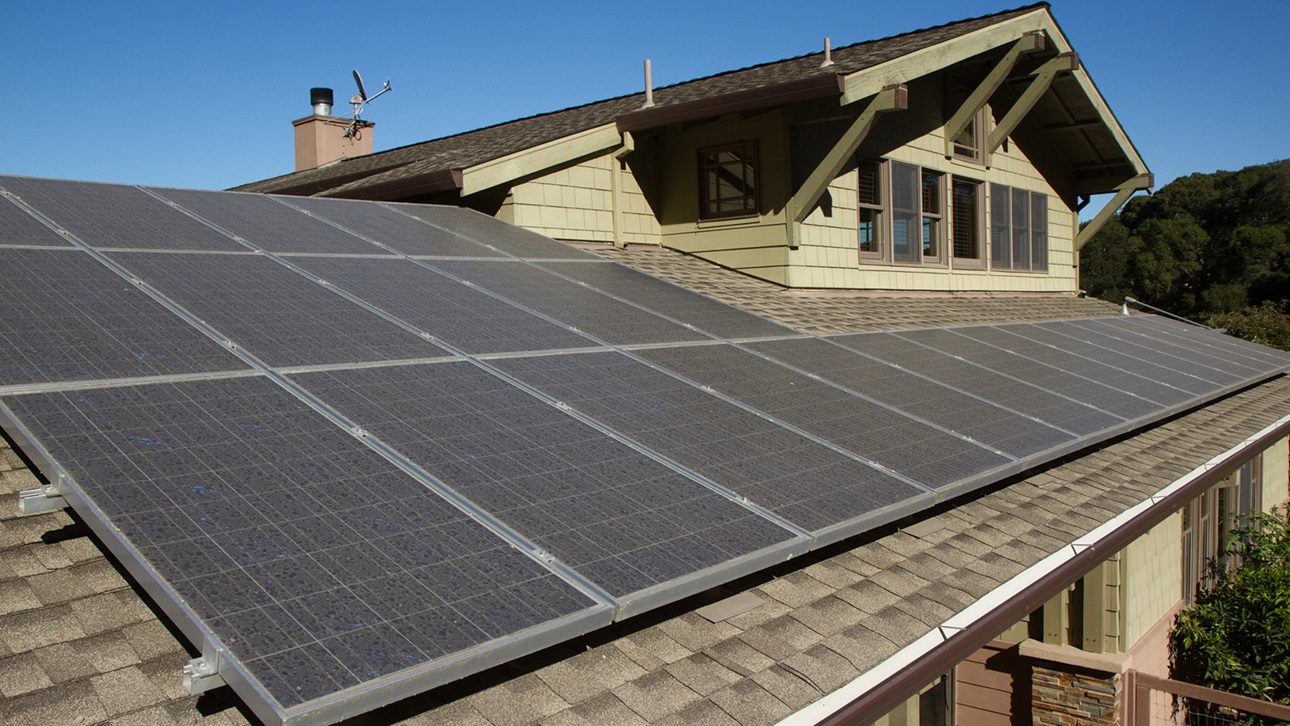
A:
{"x": 885, "y": 215}
{"x": 879, "y": 253}
{"x": 705, "y": 165}
{"x": 977, "y": 261}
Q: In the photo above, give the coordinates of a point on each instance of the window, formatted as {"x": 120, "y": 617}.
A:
{"x": 1018, "y": 229}
{"x": 970, "y": 141}
{"x": 728, "y": 181}
{"x": 966, "y": 217}
{"x": 1210, "y": 518}
{"x": 870, "y": 207}
{"x": 912, "y": 219}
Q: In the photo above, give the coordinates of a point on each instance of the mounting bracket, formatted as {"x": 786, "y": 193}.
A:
{"x": 44, "y": 498}
{"x": 202, "y": 674}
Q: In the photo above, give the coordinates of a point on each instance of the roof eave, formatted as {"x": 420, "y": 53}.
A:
{"x": 778, "y": 94}
{"x": 433, "y": 182}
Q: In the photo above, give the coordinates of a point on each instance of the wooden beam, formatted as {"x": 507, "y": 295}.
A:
{"x": 864, "y": 83}
{"x": 1032, "y": 41}
{"x": 539, "y": 158}
{"x": 1063, "y": 62}
{"x": 1093, "y": 617}
{"x": 803, "y": 201}
{"x": 1122, "y": 194}
{"x": 616, "y": 180}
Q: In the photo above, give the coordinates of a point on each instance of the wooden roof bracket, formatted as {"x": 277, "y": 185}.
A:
{"x": 890, "y": 98}
{"x": 616, "y": 188}
{"x": 1028, "y": 43}
{"x": 1141, "y": 182}
{"x": 1044, "y": 76}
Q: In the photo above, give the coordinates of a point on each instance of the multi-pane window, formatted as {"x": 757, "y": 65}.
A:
{"x": 970, "y": 141}
{"x": 966, "y": 218}
{"x": 870, "y": 206}
{"x": 1018, "y": 229}
{"x": 728, "y": 181}
{"x": 1209, "y": 519}
{"x": 917, "y": 214}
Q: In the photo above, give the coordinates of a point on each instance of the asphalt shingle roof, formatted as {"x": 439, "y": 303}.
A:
{"x": 473, "y": 147}
{"x": 78, "y": 643}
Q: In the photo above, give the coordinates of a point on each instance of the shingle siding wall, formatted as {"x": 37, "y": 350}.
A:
{"x": 577, "y": 203}
{"x": 1152, "y": 578}
{"x": 829, "y": 257}
{"x": 1276, "y": 471}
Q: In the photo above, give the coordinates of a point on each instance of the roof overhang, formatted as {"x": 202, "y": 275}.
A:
{"x": 778, "y": 94}
{"x": 400, "y": 186}
{"x": 1099, "y": 150}
{"x": 899, "y": 677}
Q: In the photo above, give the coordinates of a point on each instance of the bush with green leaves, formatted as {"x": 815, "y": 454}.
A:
{"x": 1236, "y": 638}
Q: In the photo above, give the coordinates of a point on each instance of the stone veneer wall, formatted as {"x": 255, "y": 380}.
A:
{"x": 1077, "y": 698}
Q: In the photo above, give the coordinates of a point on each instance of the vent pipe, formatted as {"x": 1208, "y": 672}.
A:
{"x": 321, "y": 99}
{"x": 649, "y": 85}
{"x": 828, "y": 54}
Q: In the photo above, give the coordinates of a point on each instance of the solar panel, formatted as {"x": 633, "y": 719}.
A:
{"x": 402, "y": 514}
{"x": 278, "y": 315}
{"x": 268, "y": 224}
{"x": 1166, "y": 329}
{"x": 64, "y": 316}
{"x": 622, "y": 519}
{"x": 1006, "y": 337}
{"x": 569, "y": 302}
{"x": 1235, "y": 367}
{"x": 317, "y": 564}
{"x": 1087, "y": 391}
{"x": 981, "y": 420}
{"x": 1111, "y": 356}
{"x": 17, "y": 227}
{"x": 1141, "y": 349}
{"x": 506, "y": 238}
{"x": 1051, "y": 408}
{"x": 803, "y": 481}
{"x": 445, "y": 308}
{"x": 387, "y": 226}
{"x": 677, "y": 303}
{"x": 113, "y": 215}
{"x": 894, "y": 440}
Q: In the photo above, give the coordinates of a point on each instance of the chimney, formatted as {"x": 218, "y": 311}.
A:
{"x": 322, "y": 138}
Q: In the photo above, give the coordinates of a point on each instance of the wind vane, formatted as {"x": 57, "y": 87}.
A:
{"x": 355, "y": 129}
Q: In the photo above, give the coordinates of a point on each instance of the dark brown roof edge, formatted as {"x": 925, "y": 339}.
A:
{"x": 936, "y": 663}
{"x": 440, "y": 180}
{"x": 778, "y": 94}
{"x": 313, "y": 187}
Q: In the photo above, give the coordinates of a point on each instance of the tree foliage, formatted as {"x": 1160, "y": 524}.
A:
{"x": 1236, "y": 637}
{"x": 1206, "y": 246}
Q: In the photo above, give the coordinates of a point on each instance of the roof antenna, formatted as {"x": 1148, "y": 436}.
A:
{"x": 355, "y": 129}
{"x": 828, "y": 55}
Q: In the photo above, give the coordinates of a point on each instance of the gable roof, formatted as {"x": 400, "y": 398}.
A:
{"x": 859, "y": 70}
{"x": 78, "y": 642}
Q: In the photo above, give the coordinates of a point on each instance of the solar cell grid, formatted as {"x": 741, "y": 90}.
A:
{"x": 267, "y": 224}
{"x": 908, "y": 447}
{"x": 1006, "y": 337}
{"x": 678, "y": 303}
{"x": 114, "y": 215}
{"x": 569, "y": 302}
{"x": 1040, "y": 375}
{"x": 481, "y": 228}
{"x": 278, "y": 315}
{"x": 1043, "y": 405}
{"x": 981, "y": 420}
{"x": 1234, "y": 366}
{"x": 618, "y": 517}
{"x": 1212, "y": 340}
{"x": 807, "y": 483}
{"x": 64, "y": 316}
{"x": 316, "y": 563}
{"x": 401, "y": 232}
{"x": 1116, "y": 358}
{"x": 1140, "y": 350}
{"x": 441, "y": 306}
{"x": 19, "y": 228}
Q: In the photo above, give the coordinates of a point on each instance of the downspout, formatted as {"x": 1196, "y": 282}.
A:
{"x": 616, "y": 186}
{"x": 899, "y": 677}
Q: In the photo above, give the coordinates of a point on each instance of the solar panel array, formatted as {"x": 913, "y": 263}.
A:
{"x": 363, "y": 449}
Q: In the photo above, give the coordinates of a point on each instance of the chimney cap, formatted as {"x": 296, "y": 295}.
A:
{"x": 321, "y": 95}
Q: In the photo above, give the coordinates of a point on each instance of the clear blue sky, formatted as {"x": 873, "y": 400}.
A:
{"x": 202, "y": 94}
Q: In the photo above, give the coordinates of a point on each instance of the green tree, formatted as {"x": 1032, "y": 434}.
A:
{"x": 1236, "y": 637}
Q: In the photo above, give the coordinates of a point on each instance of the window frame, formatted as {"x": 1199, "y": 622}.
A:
{"x": 976, "y": 261}
{"x": 885, "y": 214}
{"x": 1006, "y": 223}
{"x": 878, "y": 210}
{"x": 708, "y": 163}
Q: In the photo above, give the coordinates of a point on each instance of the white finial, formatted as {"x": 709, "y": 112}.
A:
{"x": 828, "y": 55}
{"x": 649, "y": 85}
